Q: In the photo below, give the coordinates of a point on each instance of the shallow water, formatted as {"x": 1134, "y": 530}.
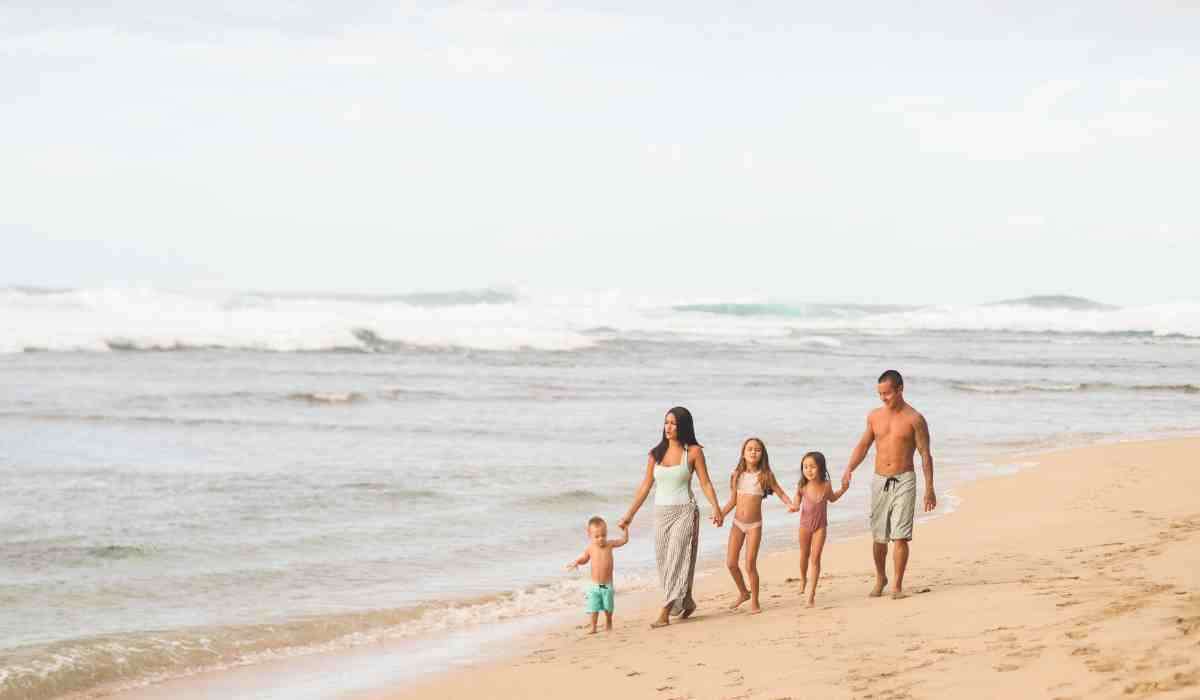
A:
{"x": 167, "y": 511}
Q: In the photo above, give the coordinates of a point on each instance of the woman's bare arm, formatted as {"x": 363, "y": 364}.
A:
{"x": 639, "y": 497}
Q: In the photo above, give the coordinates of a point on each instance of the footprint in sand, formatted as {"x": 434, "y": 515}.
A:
{"x": 1188, "y": 625}
{"x": 1004, "y": 668}
{"x": 1104, "y": 665}
{"x": 1175, "y": 682}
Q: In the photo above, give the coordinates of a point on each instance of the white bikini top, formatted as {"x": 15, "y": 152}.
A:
{"x": 748, "y": 483}
{"x": 673, "y": 485}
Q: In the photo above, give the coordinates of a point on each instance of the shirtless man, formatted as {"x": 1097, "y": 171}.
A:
{"x": 898, "y": 431}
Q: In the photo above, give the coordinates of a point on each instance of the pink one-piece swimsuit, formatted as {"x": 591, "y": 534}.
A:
{"x": 813, "y": 516}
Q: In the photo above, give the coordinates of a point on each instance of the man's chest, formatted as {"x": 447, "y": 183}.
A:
{"x": 892, "y": 430}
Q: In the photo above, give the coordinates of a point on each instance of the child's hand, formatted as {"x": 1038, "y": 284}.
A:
{"x": 571, "y": 566}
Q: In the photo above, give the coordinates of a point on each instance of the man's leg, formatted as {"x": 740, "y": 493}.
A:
{"x": 903, "y": 513}
{"x": 880, "y": 552}
{"x": 879, "y": 534}
{"x": 900, "y": 559}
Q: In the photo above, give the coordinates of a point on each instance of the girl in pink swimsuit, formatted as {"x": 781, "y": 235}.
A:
{"x": 751, "y": 482}
{"x": 814, "y": 495}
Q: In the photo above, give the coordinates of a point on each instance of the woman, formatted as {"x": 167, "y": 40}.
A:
{"x": 670, "y": 465}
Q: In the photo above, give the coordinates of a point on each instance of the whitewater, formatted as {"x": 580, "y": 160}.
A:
{"x": 203, "y": 480}
{"x": 113, "y": 319}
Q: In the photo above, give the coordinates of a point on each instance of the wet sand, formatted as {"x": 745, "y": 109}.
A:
{"x": 1077, "y": 578}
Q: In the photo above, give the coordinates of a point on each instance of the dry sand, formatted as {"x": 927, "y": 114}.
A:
{"x": 1079, "y": 578}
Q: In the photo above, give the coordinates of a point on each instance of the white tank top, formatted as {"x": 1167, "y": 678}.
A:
{"x": 673, "y": 485}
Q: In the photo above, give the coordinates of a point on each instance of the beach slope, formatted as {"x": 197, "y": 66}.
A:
{"x": 1079, "y": 578}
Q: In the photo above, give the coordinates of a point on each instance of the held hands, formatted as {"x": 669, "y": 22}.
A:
{"x": 930, "y": 500}
{"x": 625, "y": 522}
{"x": 792, "y": 507}
{"x": 845, "y": 480}
{"x": 718, "y": 518}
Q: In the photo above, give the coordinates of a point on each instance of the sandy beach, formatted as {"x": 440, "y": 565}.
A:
{"x": 1077, "y": 578}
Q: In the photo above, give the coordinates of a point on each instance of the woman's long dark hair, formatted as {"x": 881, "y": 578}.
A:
{"x": 685, "y": 432}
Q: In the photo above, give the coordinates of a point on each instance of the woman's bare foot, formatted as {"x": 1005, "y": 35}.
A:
{"x": 811, "y": 603}
{"x": 897, "y": 595}
{"x": 742, "y": 598}
{"x": 803, "y": 585}
{"x": 755, "y": 609}
{"x": 878, "y": 589}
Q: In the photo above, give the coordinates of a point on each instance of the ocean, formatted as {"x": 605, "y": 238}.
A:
{"x": 196, "y": 480}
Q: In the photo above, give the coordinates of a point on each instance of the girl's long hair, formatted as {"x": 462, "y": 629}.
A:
{"x": 821, "y": 470}
{"x": 765, "y": 477}
{"x": 685, "y": 432}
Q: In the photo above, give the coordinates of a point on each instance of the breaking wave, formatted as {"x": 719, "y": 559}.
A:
{"x": 152, "y": 320}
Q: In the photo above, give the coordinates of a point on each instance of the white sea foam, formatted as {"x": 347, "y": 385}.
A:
{"x": 139, "y": 318}
{"x": 130, "y": 660}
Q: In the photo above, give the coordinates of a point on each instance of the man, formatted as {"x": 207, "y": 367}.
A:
{"x": 898, "y": 431}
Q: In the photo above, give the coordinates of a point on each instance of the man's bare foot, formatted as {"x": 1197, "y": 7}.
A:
{"x": 742, "y": 598}
{"x": 687, "y": 613}
{"x": 878, "y": 589}
{"x": 897, "y": 595}
{"x": 659, "y": 623}
{"x": 608, "y": 628}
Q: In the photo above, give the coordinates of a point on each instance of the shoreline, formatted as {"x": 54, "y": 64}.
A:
{"x": 943, "y": 581}
{"x": 481, "y": 649}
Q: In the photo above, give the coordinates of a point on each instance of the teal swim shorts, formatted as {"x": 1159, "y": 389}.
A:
{"x": 600, "y": 598}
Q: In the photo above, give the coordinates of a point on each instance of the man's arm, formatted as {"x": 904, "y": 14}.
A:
{"x": 922, "y": 430}
{"x": 623, "y": 540}
{"x": 859, "y": 453}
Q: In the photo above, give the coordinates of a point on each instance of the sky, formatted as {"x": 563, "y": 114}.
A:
{"x": 883, "y": 152}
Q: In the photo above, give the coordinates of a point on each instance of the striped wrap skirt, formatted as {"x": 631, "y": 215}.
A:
{"x": 676, "y": 537}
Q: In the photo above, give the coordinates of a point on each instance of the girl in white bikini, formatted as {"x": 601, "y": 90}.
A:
{"x": 751, "y": 482}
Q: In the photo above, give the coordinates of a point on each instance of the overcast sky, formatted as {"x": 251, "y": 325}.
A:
{"x": 912, "y": 153}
